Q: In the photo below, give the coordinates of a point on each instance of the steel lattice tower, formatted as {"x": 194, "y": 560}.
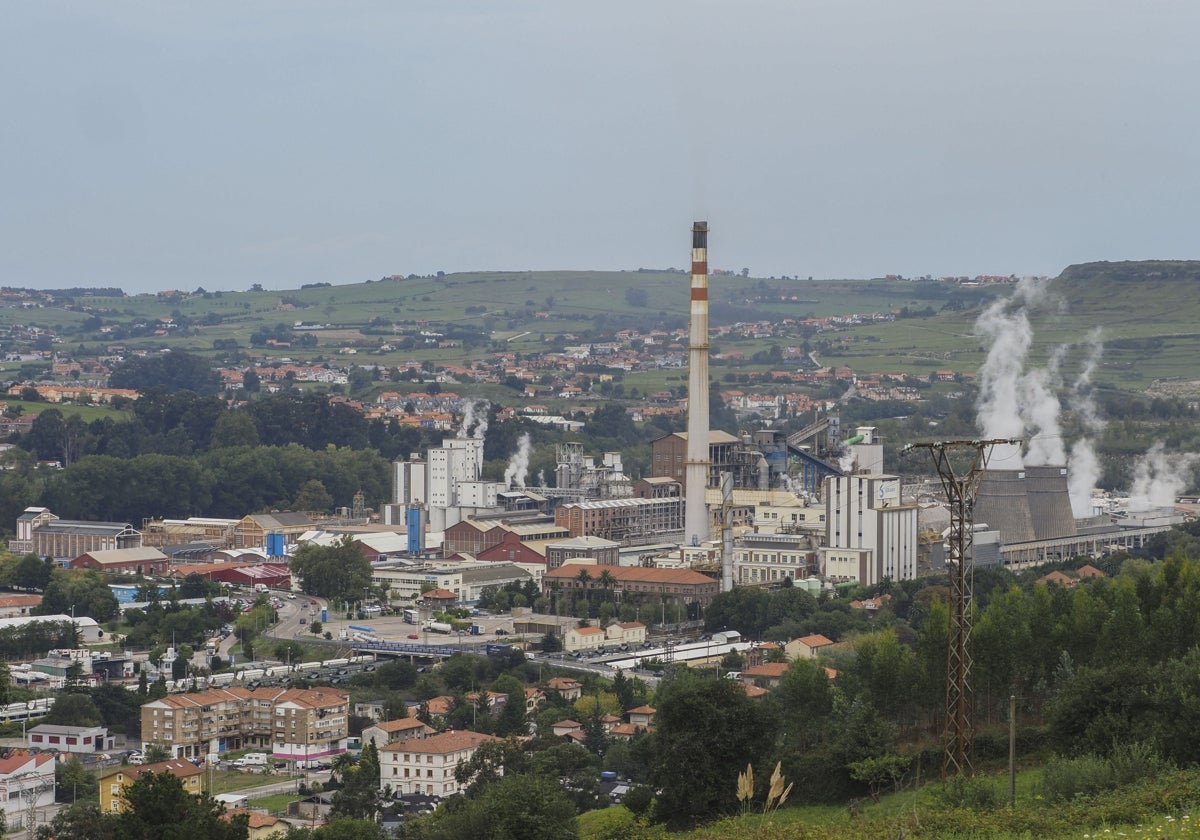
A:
{"x": 958, "y": 735}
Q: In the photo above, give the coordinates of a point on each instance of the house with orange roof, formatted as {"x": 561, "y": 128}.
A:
{"x": 583, "y": 638}
{"x": 808, "y": 647}
{"x": 754, "y": 692}
{"x": 768, "y": 674}
{"x": 565, "y": 727}
{"x": 567, "y": 688}
{"x": 440, "y": 706}
{"x": 262, "y": 826}
{"x": 427, "y": 765}
{"x": 642, "y": 716}
{"x": 390, "y": 731}
{"x": 114, "y": 782}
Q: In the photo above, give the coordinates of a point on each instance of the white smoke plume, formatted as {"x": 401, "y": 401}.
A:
{"x": 1005, "y": 325}
{"x": 846, "y": 463}
{"x": 467, "y": 418}
{"x": 1084, "y": 466}
{"x": 474, "y": 412}
{"x": 1160, "y": 476}
{"x": 481, "y": 425}
{"x": 518, "y": 464}
{"x": 541, "y": 479}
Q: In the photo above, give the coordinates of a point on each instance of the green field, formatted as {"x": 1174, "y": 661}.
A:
{"x": 1148, "y": 315}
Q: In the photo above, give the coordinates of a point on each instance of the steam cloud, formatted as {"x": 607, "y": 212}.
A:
{"x": 1016, "y": 401}
{"x": 1159, "y": 476}
{"x": 518, "y": 464}
{"x": 1084, "y": 473}
{"x": 474, "y": 412}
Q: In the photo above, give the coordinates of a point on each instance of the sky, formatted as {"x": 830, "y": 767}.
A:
{"x": 169, "y": 145}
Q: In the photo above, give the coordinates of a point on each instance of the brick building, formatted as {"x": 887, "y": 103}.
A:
{"x": 125, "y": 561}
{"x": 682, "y": 585}
{"x": 629, "y": 521}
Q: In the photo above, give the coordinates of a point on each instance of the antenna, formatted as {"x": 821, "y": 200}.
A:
{"x": 957, "y": 736}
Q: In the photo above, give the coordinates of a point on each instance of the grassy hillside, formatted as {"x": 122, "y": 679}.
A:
{"x": 1147, "y": 310}
{"x": 1148, "y": 314}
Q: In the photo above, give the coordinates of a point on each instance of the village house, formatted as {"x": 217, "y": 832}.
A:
{"x": 114, "y": 782}
{"x": 391, "y": 731}
{"x": 427, "y": 765}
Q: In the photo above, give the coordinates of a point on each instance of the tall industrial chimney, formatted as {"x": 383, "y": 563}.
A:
{"x": 696, "y": 468}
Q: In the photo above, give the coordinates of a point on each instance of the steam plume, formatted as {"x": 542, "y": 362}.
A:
{"x": 1005, "y": 324}
{"x": 518, "y": 464}
{"x": 1160, "y": 476}
{"x": 474, "y": 412}
{"x": 1084, "y": 471}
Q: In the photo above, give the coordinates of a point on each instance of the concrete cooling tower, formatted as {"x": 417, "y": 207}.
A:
{"x": 1049, "y": 502}
{"x": 1003, "y": 503}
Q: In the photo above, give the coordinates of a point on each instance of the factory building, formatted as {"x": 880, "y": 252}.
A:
{"x": 870, "y": 533}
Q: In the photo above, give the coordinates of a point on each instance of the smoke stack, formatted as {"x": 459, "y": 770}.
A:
{"x": 697, "y": 465}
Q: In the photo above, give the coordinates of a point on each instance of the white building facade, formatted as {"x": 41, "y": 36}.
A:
{"x": 871, "y": 534}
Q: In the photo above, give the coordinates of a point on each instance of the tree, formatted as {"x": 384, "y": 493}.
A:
{"x": 156, "y": 752}
{"x": 73, "y": 710}
{"x": 82, "y": 821}
{"x": 358, "y": 796}
{"x": 515, "y": 807}
{"x": 551, "y": 643}
{"x": 175, "y": 371}
{"x": 338, "y": 571}
{"x": 73, "y": 783}
{"x": 313, "y": 496}
{"x": 706, "y": 731}
{"x": 159, "y": 807}
{"x": 32, "y": 572}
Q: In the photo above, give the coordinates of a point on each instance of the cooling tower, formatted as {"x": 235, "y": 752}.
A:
{"x": 1049, "y": 502}
{"x": 1003, "y": 503}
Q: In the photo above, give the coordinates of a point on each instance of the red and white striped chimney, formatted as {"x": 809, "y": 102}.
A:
{"x": 698, "y": 463}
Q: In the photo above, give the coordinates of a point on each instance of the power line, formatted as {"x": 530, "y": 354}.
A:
{"x": 961, "y": 490}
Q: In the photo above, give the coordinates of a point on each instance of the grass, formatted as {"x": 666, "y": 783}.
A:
{"x": 276, "y": 804}
{"x": 1128, "y": 311}
{"x": 227, "y": 781}
{"x": 1158, "y": 808}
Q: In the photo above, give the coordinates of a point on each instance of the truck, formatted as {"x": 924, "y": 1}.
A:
{"x": 260, "y": 587}
{"x": 439, "y": 627}
{"x": 410, "y": 616}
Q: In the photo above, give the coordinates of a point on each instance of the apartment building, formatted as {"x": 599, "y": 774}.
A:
{"x": 297, "y": 724}
{"x": 427, "y": 765}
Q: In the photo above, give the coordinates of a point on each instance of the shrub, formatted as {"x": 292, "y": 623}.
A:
{"x": 1067, "y": 778}
{"x": 977, "y": 794}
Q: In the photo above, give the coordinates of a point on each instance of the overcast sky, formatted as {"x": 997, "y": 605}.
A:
{"x": 155, "y": 145}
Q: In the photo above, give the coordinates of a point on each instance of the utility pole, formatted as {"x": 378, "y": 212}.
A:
{"x": 957, "y": 735}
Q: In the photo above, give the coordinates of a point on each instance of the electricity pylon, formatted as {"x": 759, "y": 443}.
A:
{"x": 960, "y": 563}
